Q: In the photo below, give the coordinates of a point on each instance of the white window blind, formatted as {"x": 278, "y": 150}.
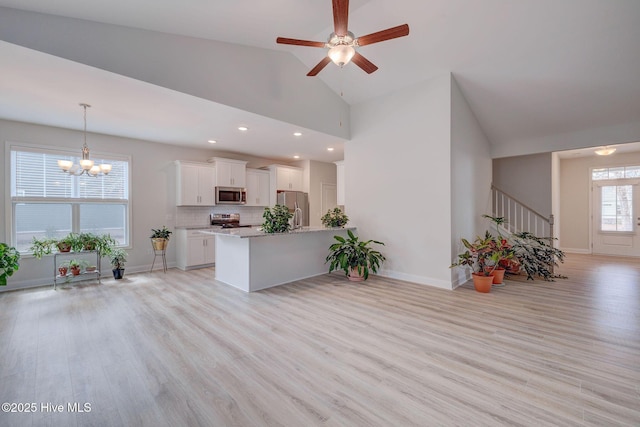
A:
{"x": 38, "y": 175}
{"x": 47, "y": 202}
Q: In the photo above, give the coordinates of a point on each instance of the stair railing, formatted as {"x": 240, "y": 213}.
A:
{"x": 520, "y": 217}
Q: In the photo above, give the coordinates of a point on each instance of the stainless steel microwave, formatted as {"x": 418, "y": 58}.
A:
{"x": 231, "y": 196}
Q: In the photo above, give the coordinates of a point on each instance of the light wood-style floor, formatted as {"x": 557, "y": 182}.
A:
{"x": 179, "y": 349}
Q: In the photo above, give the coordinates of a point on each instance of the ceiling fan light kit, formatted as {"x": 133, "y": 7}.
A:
{"x": 342, "y": 43}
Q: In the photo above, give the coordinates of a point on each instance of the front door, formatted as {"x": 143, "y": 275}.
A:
{"x": 616, "y": 217}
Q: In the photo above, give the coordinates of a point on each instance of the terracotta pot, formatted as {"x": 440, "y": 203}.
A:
{"x": 511, "y": 266}
{"x": 498, "y": 275}
{"x": 354, "y": 276}
{"x": 159, "y": 244}
{"x": 64, "y": 247}
{"x": 482, "y": 283}
{"x": 62, "y": 271}
{"x": 75, "y": 271}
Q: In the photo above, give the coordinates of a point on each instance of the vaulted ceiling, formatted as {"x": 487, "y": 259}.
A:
{"x": 528, "y": 68}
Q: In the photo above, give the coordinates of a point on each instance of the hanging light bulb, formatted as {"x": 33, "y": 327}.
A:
{"x": 87, "y": 165}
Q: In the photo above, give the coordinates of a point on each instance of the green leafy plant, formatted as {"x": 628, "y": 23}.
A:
{"x": 334, "y": 218}
{"x": 41, "y": 247}
{"x": 483, "y": 256}
{"x": 104, "y": 243}
{"x": 118, "y": 257}
{"x": 9, "y": 262}
{"x": 537, "y": 256}
{"x": 90, "y": 242}
{"x": 276, "y": 219}
{"x": 351, "y": 253}
{"x": 78, "y": 263}
{"x": 161, "y": 233}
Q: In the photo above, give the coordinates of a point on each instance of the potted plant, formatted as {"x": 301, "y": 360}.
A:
{"x": 160, "y": 238}
{"x": 276, "y": 219}
{"x": 70, "y": 242}
{"x": 9, "y": 262}
{"x": 41, "y": 247}
{"x": 498, "y": 252}
{"x": 476, "y": 257}
{"x": 63, "y": 268}
{"x": 355, "y": 257}
{"x": 536, "y": 256}
{"x": 75, "y": 265}
{"x": 334, "y": 218}
{"x": 92, "y": 242}
{"x": 117, "y": 257}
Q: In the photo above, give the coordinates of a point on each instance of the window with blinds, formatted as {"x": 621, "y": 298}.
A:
{"x": 47, "y": 202}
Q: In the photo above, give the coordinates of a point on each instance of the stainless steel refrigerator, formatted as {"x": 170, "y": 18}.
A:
{"x": 290, "y": 198}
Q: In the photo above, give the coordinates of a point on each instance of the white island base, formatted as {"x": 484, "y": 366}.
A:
{"x": 251, "y": 261}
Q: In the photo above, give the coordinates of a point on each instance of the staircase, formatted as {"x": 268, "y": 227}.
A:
{"x": 520, "y": 217}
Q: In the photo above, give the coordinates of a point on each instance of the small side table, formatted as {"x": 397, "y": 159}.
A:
{"x": 159, "y": 252}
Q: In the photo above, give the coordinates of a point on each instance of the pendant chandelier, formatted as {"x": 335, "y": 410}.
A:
{"x": 86, "y": 165}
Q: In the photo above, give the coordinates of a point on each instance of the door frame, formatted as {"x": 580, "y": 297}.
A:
{"x": 593, "y": 215}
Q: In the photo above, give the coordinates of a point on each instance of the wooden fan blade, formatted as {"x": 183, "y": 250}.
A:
{"x": 284, "y": 40}
{"x": 320, "y": 66}
{"x": 363, "y": 63}
{"x": 380, "y": 36}
{"x": 340, "y": 16}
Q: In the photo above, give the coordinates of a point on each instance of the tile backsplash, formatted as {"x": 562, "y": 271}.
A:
{"x": 189, "y": 216}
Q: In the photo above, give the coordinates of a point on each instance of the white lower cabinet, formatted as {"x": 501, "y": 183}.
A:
{"x": 194, "y": 249}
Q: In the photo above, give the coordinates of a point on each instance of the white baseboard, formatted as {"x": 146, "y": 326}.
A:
{"x": 420, "y": 280}
{"x": 576, "y": 251}
{"x": 105, "y": 273}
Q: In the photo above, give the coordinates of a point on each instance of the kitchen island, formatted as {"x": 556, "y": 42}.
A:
{"x": 250, "y": 260}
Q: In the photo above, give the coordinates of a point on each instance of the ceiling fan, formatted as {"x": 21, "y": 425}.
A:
{"x": 342, "y": 43}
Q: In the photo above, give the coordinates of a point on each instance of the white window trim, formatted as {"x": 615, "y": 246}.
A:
{"x": 62, "y": 151}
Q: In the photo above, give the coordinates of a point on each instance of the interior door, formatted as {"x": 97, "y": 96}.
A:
{"x": 616, "y": 217}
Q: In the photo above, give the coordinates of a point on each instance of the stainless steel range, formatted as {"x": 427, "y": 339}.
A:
{"x": 227, "y": 220}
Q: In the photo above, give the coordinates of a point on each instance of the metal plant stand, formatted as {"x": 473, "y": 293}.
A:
{"x": 162, "y": 253}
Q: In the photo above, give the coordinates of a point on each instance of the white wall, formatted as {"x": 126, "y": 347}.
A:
{"x": 470, "y": 178}
{"x": 398, "y": 179}
{"x": 574, "y": 195}
{"x": 527, "y": 178}
{"x": 556, "y": 198}
{"x": 217, "y": 71}
{"x": 320, "y": 172}
{"x": 152, "y": 198}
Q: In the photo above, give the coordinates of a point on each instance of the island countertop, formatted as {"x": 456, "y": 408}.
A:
{"x": 256, "y": 231}
{"x": 252, "y": 260}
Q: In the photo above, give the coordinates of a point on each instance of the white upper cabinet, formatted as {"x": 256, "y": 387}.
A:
{"x": 340, "y": 181}
{"x": 288, "y": 178}
{"x": 230, "y": 173}
{"x": 195, "y": 184}
{"x": 257, "y": 187}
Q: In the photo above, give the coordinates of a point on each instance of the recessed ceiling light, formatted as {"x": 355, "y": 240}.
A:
{"x": 243, "y": 128}
{"x": 296, "y": 157}
{"x": 212, "y": 141}
{"x": 297, "y": 134}
{"x": 330, "y": 149}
